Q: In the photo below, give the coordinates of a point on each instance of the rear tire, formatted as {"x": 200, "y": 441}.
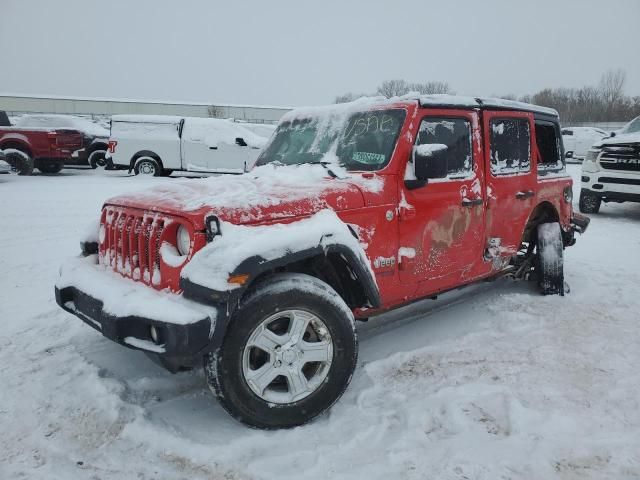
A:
{"x": 21, "y": 162}
{"x": 50, "y": 166}
{"x": 293, "y": 389}
{"x": 589, "y": 202}
{"x": 147, "y": 166}
{"x": 550, "y": 261}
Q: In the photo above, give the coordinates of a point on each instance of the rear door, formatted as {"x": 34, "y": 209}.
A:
{"x": 441, "y": 223}
{"x": 511, "y": 180}
{"x": 196, "y": 153}
{"x": 207, "y": 146}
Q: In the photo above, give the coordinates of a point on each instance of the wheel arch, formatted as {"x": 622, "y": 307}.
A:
{"x": 97, "y": 146}
{"x": 17, "y": 144}
{"x": 336, "y": 265}
{"x": 543, "y": 212}
{"x": 144, "y": 153}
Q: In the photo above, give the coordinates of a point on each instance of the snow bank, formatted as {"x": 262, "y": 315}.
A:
{"x": 213, "y": 264}
{"x": 123, "y": 297}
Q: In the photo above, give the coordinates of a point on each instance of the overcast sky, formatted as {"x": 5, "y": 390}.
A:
{"x": 302, "y": 52}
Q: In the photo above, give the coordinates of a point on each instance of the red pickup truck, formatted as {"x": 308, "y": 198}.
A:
{"x": 352, "y": 210}
{"x": 46, "y": 149}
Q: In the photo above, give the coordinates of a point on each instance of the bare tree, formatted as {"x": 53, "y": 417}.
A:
{"x": 396, "y": 88}
{"x": 431, "y": 87}
{"x": 393, "y": 88}
{"x": 612, "y": 86}
{"x": 349, "y": 97}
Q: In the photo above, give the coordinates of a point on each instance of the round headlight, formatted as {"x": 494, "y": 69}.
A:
{"x": 183, "y": 241}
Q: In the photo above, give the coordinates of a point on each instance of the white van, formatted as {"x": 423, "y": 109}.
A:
{"x": 158, "y": 145}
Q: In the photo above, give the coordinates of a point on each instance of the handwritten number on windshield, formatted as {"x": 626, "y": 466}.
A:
{"x": 371, "y": 124}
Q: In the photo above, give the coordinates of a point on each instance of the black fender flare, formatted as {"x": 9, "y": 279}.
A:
{"x": 256, "y": 267}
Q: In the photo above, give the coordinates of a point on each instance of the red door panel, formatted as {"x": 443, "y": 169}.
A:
{"x": 441, "y": 225}
{"x": 511, "y": 178}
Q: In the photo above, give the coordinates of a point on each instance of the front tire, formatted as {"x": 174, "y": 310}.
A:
{"x": 21, "y": 163}
{"x": 589, "y": 202}
{"x": 97, "y": 158}
{"x": 288, "y": 355}
{"x": 550, "y": 261}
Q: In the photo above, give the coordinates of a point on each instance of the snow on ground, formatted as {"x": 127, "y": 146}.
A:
{"x": 491, "y": 382}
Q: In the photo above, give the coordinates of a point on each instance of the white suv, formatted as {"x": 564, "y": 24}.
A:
{"x": 611, "y": 169}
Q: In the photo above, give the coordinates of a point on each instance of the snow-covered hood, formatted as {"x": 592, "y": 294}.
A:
{"x": 265, "y": 194}
{"x": 619, "y": 139}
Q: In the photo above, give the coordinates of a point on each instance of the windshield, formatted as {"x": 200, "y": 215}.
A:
{"x": 632, "y": 127}
{"x": 365, "y": 141}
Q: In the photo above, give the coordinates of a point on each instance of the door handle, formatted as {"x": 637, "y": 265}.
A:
{"x": 471, "y": 203}
{"x": 525, "y": 195}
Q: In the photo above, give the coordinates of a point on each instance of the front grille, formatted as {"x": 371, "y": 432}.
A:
{"x": 130, "y": 243}
{"x": 625, "y": 157}
{"x": 619, "y": 181}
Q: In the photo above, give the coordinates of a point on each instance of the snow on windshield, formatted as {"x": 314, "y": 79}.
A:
{"x": 349, "y": 134}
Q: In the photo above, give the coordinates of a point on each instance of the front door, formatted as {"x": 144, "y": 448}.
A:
{"x": 441, "y": 223}
{"x": 511, "y": 180}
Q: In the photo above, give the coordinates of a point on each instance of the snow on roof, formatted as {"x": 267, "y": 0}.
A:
{"x": 52, "y": 120}
{"x": 482, "y": 102}
{"x": 147, "y": 118}
{"x": 340, "y": 110}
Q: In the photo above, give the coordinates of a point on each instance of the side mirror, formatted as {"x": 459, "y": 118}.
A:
{"x": 430, "y": 161}
{"x": 240, "y": 142}
{"x": 613, "y": 134}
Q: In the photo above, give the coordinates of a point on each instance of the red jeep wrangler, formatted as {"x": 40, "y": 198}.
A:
{"x": 352, "y": 210}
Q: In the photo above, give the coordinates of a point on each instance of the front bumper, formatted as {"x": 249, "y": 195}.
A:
{"x": 614, "y": 185}
{"x": 125, "y": 312}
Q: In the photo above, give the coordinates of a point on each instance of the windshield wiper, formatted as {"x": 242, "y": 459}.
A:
{"x": 325, "y": 164}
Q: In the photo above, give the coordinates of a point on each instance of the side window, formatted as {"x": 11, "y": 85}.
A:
{"x": 510, "y": 146}
{"x": 548, "y": 142}
{"x": 455, "y": 134}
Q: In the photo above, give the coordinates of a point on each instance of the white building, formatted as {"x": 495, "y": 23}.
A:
{"x": 16, "y": 104}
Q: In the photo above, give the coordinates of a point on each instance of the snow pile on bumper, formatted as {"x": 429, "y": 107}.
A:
{"x": 121, "y": 297}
